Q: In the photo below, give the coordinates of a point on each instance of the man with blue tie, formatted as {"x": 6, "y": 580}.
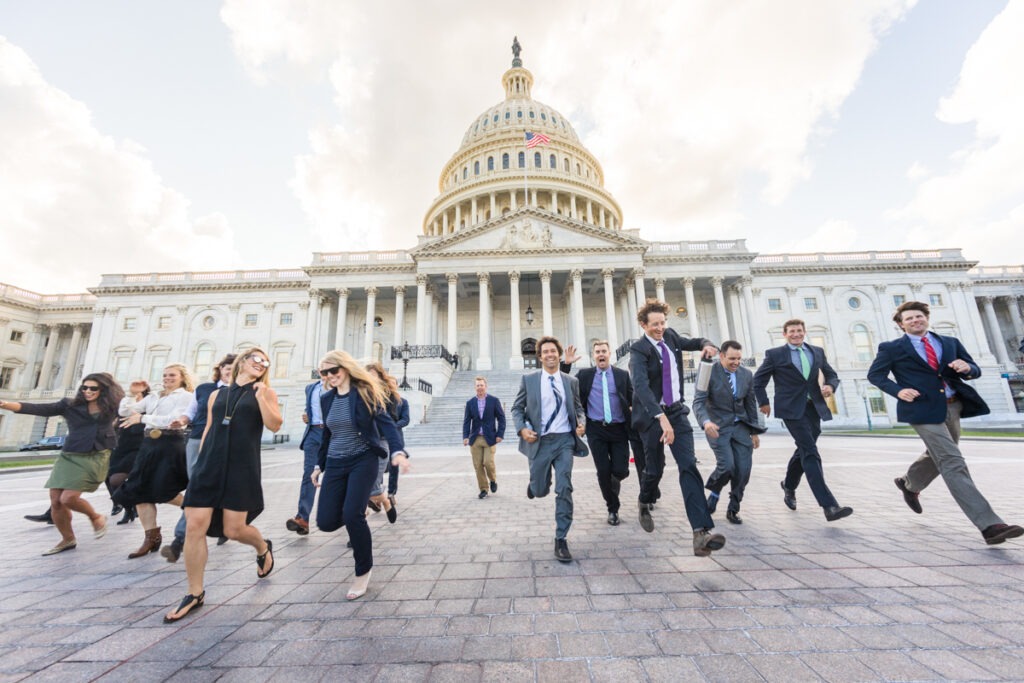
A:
{"x": 310, "y": 445}
{"x": 660, "y": 415}
{"x": 727, "y": 412}
{"x": 929, "y": 371}
{"x": 483, "y": 427}
{"x": 607, "y": 394}
{"x": 549, "y": 419}
{"x": 800, "y": 403}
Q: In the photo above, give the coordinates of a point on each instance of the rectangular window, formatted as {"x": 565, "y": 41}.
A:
{"x": 810, "y": 303}
{"x": 17, "y": 336}
{"x": 6, "y": 378}
{"x": 774, "y": 304}
{"x": 122, "y": 365}
{"x": 163, "y": 322}
{"x": 898, "y": 300}
{"x": 284, "y": 320}
{"x": 876, "y": 400}
{"x": 252, "y": 319}
{"x": 935, "y": 300}
{"x": 128, "y": 324}
{"x": 157, "y": 363}
{"x": 281, "y": 361}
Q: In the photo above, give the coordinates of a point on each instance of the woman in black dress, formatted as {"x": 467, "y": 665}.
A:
{"x": 225, "y": 493}
{"x": 129, "y": 440}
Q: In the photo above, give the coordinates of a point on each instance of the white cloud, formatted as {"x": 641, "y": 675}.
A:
{"x": 75, "y": 202}
{"x": 832, "y": 235}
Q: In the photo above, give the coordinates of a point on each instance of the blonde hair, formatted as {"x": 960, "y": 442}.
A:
{"x": 187, "y": 383}
{"x": 368, "y": 386}
{"x": 241, "y": 358}
{"x": 390, "y": 383}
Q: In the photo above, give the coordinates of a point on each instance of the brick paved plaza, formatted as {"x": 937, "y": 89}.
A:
{"x": 466, "y": 589}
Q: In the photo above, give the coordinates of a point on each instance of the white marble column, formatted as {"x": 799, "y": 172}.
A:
{"x": 339, "y": 325}
{"x": 309, "y": 358}
{"x": 324, "y": 329}
{"x": 628, "y": 326}
{"x": 51, "y": 348}
{"x": 638, "y": 285}
{"x": 737, "y": 319}
{"x": 399, "y": 315}
{"x": 371, "y": 313}
{"x": 691, "y": 306}
{"x": 435, "y": 316}
{"x": 984, "y": 348}
{"x": 94, "y": 340}
{"x": 659, "y": 289}
{"x": 483, "y": 360}
{"x": 631, "y": 301}
{"x": 885, "y": 325}
{"x": 545, "y": 298}
{"x": 579, "y": 329}
{"x": 750, "y": 317}
{"x": 997, "y": 334}
{"x": 421, "y": 309}
{"x": 830, "y": 334}
{"x": 608, "y": 275}
{"x": 71, "y": 365}
{"x": 968, "y": 331}
{"x": 142, "y": 334}
{"x": 268, "y": 307}
{"x": 1014, "y": 310}
{"x": 723, "y": 322}
{"x": 515, "y": 359}
{"x": 452, "y": 341}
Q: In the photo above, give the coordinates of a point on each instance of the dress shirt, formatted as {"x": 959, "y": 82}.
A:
{"x": 481, "y": 403}
{"x": 676, "y": 380}
{"x": 918, "y": 343}
{"x": 193, "y": 409}
{"x": 560, "y": 425}
{"x": 595, "y": 402}
{"x": 317, "y": 418}
{"x": 159, "y": 411}
{"x": 794, "y": 356}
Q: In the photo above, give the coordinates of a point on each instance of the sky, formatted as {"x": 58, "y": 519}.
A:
{"x": 141, "y": 136}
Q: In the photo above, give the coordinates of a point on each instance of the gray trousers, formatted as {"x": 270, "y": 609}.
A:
{"x": 943, "y": 457}
{"x": 191, "y": 457}
{"x": 734, "y": 459}
{"x": 555, "y": 452}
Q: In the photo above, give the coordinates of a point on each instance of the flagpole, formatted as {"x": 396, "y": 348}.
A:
{"x": 526, "y": 170}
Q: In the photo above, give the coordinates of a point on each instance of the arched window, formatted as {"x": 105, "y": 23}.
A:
{"x": 508, "y": 115}
{"x": 566, "y": 165}
{"x": 543, "y": 116}
{"x": 495, "y": 119}
{"x": 532, "y": 115}
{"x": 519, "y": 114}
{"x": 552, "y": 162}
{"x": 536, "y": 159}
{"x": 578, "y": 170}
{"x": 522, "y": 160}
{"x": 465, "y": 172}
{"x": 504, "y": 160}
{"x": 476, "y": 168}
{"x": 861, "y": 342}
{"x": 202, "y": 363}
{"x": 490, "y": 163}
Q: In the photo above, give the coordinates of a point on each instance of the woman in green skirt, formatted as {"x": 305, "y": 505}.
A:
{"x": 82, "y": 466}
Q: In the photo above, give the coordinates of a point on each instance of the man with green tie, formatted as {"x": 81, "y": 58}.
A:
{"x": 800, "y": 403}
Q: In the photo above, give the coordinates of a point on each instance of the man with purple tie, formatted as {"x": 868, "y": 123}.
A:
{"x": 660, "y": 415}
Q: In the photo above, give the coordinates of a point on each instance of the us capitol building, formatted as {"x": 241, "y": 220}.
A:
{"x": 519, "y": 242}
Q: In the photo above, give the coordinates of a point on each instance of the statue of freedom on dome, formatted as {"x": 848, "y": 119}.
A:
{"x": 516, "y": 49}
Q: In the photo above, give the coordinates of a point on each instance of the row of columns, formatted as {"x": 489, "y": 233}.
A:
{"x": 443, "y": 225}
{"x": 50, "y": 335}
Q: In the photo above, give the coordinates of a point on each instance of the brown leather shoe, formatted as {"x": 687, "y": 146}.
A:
{"x": 911, "y": 498}
{"x": 997, "y": 533}
{"x": 151, "y": 544}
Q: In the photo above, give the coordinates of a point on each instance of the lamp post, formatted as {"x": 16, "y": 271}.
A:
{"x": 863, "y": 390}
{"x": 405, "y": 366}
{"x": 529, "y": 307}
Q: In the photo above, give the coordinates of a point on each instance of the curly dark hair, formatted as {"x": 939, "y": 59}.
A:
{"x": 110, "y": 396}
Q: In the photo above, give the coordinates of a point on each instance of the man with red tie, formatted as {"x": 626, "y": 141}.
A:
{"x": 929, "y": 371}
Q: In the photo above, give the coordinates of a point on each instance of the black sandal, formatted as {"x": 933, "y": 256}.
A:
{"x": 193, "y": 602}
{"x": 261, "y": 561}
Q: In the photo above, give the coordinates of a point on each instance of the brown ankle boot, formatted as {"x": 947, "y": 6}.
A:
{"x": 150, "y": 545}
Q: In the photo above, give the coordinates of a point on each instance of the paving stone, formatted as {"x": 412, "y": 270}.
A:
{"x": 671, "y": 670}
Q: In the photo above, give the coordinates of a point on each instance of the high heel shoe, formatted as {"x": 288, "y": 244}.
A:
{"x": 359, "y": 586}
{"x": 129, "y": 515}
{"x": 115, "y": 510}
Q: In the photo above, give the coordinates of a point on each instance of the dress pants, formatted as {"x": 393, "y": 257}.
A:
{"x": 344, "y": 493}
{"x": 191, "y": 457}
{"x": 555, "y": 451}
{"x": 483, "y": 462}
{"x": 609, "y": 444}
{"x": 690, "y": 481}
{"x": 310, "y": 456}
{"x": 734, "y": 452}
{"x": 806, "y": 460}
{"x": 943, "y": 457}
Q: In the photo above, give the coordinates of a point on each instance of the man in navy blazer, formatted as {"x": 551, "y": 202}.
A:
{"x": 800, "y": 403}
{"x": 929, "y": 371}
{"x": 310, "y": 445}
{"x": 483, "y": 427}
{"x": 660, "y": 415}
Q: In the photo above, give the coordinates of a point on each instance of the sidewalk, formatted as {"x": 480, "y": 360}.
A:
{"x": 466, "y": 589}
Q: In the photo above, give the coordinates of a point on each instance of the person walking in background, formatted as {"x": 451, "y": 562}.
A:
{"x": 310, "y": 446}
{"x": 82, "y": 464}
{"x": 129, "y": 440}
{"x": 659, "y": 414}
{"x": 356, "y": 423}
{"x": 727, "y": 412}
{"x": 160, "y": 473}
{"x": 926, "y": 372}
{"x": 800, "y": 403}
{"x": 483, "y": 427}
{"x": 197, "y": 418}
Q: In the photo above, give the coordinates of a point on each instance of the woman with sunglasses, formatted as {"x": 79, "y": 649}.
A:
{"x": 82, "y": 465}
{"x": 225, "y": 492}
{"x": 398, "y": 408}
{"x": 159, "y": 474}
{"x": 356, "y": 424}
{"x": 129, "y": 440}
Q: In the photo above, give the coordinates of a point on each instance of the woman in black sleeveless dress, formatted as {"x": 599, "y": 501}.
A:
{"x": 225, "y": 493}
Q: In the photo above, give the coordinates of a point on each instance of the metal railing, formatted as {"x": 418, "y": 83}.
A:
{"x": 420, "y": 351}
{"x": 425, "y": 386}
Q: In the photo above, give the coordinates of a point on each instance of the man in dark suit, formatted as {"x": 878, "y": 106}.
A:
{"x": 727, "y": 412}
{"x": 929, "y": 371}
{"x": 606, "y": 395}
{"x": 549, "y": 419}
{"x": 800, "y": 403}
{"x": 483, "y": 427}
{"x": 310, "y": 445}
{"x": 660, "y": 415}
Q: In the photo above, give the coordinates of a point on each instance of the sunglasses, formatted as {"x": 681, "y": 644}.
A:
{"x": 86, "y": 387}
{"x": 259, "y": 360}
{"x": 330, "y": 371}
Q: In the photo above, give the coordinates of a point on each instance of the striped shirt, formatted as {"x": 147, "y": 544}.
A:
{"x": 345, "y": 439}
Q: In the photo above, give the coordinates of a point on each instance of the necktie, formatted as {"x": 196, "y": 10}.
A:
{"x": 805, "y": 364}
{"x": 929, "y": 353}
{"x": 604, "y": 396}
{"x": 666, "y": 376}
{"x": 732, "y": 381}
{"x": 558, "y": 404}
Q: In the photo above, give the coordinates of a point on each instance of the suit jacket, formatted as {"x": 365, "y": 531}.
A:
{"x": 526, "y": 411}
{"x": 309, "y": 411}
{"x": 718, "y": 405}
{"x": 645, "y": 369}
{"x": 493, "y": 413}
{"x": 899, "y": 359}
{"x": 374, "y": 427}
{"x": 791, "y": 389}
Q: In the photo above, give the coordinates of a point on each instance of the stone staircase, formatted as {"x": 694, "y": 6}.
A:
{"x": 443, "y": 425}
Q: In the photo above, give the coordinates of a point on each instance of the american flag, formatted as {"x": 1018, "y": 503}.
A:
{"x": 534, "y": 139}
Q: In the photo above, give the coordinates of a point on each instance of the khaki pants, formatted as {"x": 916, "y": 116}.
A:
{"x": 483, "y": 462}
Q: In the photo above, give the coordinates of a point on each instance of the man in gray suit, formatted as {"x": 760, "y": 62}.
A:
{"x": 727, "y": 412}
{"x": 549, "y": 434}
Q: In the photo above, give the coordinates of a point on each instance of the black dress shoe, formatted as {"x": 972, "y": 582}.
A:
{"x": 712, "y": 502}
{"x": 997, "y": 533}
{"x": 222, "y": 540}
{"x": 494, "y": 487}
{"x": 788, "y": 497}
{"x": 613, "y": 518}
{"x": 911, "y": 498}
{"x": 562, "y": 553}
{"x": 836, "y": 512}
{"x": 646, "y": 521}
{"x": 529, "y": 492}
{"x": 483, "y": 494}
{"x": 734, "y": 517}
{"x": 45, "y": 517}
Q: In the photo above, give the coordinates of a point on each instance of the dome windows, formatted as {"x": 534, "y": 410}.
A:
{"x": 532, "y": 115}
{"x": 519, "y": 114}
{"x": 543, "y": 116}
{"x": 508, "y": 115}
{"x": 465, "y": 172}
{"x": 536, "y": 160}
{"x": 504, "y": 161}
{"x": 476, "y": 168}
{"x": 495, "y": 119}
{"x": 490, "y": 163}
{"x": 553, "y": 162}
{"x": 522, "y": 160}
{"x": 565, "y": 164}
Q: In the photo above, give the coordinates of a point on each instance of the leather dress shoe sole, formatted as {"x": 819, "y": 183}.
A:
{"x": 836, "y": 513}
{"x": 788, "y": 497}
{"x": 911, "y": 498}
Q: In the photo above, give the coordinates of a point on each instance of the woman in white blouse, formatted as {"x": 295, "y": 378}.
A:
{"x": 160, "y": 473}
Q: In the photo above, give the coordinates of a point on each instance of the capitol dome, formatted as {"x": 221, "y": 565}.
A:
{"x": 494, "y": 173}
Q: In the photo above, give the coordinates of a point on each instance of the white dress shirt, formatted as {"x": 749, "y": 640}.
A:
{"x": 560, "y": 425}
{"x": 676, "y": 393}
{"x": 159, "y": 411}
